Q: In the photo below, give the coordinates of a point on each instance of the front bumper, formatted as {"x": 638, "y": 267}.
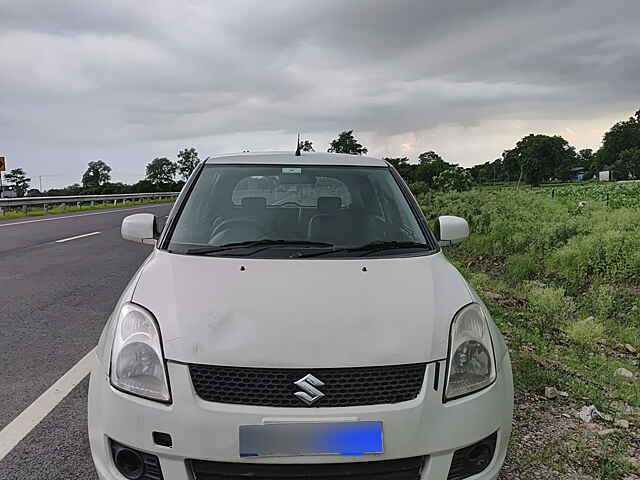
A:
{"x": 209, "y": 431}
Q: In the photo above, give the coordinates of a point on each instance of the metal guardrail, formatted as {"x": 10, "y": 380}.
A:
{"x": 23, "y": 203}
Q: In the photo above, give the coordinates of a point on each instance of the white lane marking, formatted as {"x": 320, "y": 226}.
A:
{"x": 20, "y": 427}
{"x": 115, "y": 210}
{"x": 78, "y": 236}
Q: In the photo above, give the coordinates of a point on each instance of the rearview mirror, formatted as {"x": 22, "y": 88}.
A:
{"x": 140, "y": 228}
{"x": 450, "y": 230}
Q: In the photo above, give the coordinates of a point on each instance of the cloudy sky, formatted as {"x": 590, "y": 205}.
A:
{"x": 126, "y": 81}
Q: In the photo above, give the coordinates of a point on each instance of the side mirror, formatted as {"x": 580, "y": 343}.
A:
{"x": 140, "y": 228}
{"x": 450, "y": 230}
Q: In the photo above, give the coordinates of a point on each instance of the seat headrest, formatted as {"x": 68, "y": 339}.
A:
{"x": 254, "y": 203}
{"x": 328, "y": 204}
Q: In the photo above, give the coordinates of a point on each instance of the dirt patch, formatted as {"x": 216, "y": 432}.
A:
{"x": 550, "y": 442}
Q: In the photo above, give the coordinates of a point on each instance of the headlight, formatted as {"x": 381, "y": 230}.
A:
{"x": 471, "y": 362}
{"x": 137, "y": 363}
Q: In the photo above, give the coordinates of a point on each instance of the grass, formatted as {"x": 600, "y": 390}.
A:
{"x": 563, "y": 284}
{"x": 37, "y": 212}
{"x": 579, "y": 366}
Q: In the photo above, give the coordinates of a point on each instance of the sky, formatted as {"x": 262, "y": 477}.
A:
{"x": 128, "y": 81}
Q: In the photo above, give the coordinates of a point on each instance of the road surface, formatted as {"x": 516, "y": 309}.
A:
{"x": 60, "y": 276}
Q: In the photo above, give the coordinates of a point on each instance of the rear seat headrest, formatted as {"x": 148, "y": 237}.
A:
{"x": 327, "y": 204}
{"x": 254, "y": 203}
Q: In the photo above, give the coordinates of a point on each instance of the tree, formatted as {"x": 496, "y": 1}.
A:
{"x": 430, "y": 166}
{"x": 187, "y": 162}
{"x": 98, "y": 173}
{"x": 161, "y": 171}
{"x": 426, "y": 158}
{"x": 585, "y": 158}
{"x": 404, "y": 168}
{"x": 541, "y": 158}
{"x": 306, "y": 146}
{"x": 455, "y": 179}
{"x": 346, "y": 143}
{"x": 628, "y": 163}
{"x": 19, "y": 180}
{"x": 622, "y": 136}
{"x": 489, "y": 172}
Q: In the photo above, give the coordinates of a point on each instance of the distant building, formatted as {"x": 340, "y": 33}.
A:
{"x": 578, "y": 173}
{"x": 604, "y": 176}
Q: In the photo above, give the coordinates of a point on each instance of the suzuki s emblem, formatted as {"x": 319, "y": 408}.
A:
{"x": 311, "y": 394}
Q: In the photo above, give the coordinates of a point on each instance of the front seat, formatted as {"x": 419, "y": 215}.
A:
{"x": 332, "y": 224}
{"x": 251, "y": 222}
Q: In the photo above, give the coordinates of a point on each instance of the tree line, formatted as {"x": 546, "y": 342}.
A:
{"x": 542, "y": 158}
{"x": 162, "y": 175}
{"x": 535, "y": 159}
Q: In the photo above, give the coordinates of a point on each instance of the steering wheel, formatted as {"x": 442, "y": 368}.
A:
{"x": 236, "y": 223}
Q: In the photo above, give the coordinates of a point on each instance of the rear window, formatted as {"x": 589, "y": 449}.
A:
{"x": 276, "y": 193}
{"x": 339, "y": 206}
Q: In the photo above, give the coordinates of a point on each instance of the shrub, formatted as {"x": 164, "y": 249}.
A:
{"x": 586, "y": 332}
{"x": 455, "y": 179}
{"x": 418, "y": 188}
{"x": 601, "y": 301}
{"x": 605, "y": 254}
{"x": 549, "y": 306}
{"x": 522, "y": 267}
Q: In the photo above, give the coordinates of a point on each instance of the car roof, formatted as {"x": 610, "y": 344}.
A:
{"x": 289, "y": 158}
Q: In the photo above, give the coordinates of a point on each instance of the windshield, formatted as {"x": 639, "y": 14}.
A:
{"x": 270, "y": 211}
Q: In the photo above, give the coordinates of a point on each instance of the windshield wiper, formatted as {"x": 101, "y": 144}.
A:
{"x": 266, "y": 243}
{"x": 368, "y": 248}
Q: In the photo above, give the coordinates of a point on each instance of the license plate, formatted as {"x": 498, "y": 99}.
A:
{"x": 330, "y": 438}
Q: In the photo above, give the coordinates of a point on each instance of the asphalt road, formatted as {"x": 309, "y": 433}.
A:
{"x": 54, "y": 300}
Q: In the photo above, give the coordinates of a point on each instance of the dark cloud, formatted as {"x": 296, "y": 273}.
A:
{"x": 128, "y": 80}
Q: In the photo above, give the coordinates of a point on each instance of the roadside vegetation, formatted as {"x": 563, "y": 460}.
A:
{"x": 561, "y": 273}
{"x": 37, "y": 212}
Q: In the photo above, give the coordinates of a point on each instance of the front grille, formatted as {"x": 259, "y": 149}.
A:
{"x": 402, "y": 469}
{"x": 274, "y": 387}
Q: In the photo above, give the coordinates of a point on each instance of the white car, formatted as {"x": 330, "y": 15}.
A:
{"x": 297, "y": 319}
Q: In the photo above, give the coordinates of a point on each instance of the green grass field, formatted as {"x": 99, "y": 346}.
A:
{"x": 563, "y": 283}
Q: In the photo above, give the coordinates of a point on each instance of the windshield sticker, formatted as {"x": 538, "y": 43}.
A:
{"x": 295, "y": 170}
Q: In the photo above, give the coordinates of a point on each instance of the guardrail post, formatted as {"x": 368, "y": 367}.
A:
{"x": 115, "y": 201}
{"x": 78, "y": 204}
{"x": 92, "y": 203}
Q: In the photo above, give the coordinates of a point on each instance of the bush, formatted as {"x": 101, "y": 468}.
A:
{"x": 455, "y": 179}
{"x": 600, "y": 301}
{"x": 549, "y": 306}
{"x": 418, "y": 188}
{"x": 586, "y": 332}
{"x": 522, "y": 267}
{"x": 611, "y": 255}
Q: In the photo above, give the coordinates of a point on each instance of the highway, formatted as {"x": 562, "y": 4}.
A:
{"x": 60, "y": 276}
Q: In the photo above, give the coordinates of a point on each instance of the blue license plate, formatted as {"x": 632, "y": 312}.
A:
{"x": 321, "y": 438}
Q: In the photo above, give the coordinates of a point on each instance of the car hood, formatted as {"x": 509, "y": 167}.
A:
{"x": 303, "y": 312}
